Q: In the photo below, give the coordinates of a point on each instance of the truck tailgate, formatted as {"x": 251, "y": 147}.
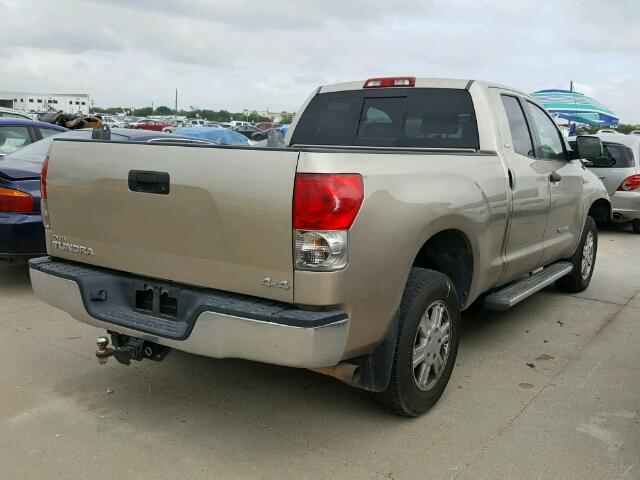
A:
{"x": 225, "y": 222}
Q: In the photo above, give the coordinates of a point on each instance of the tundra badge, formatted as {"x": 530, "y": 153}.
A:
{"x": 60, "y": 242}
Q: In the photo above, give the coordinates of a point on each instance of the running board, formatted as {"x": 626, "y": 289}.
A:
{"x": 516, "y": 292}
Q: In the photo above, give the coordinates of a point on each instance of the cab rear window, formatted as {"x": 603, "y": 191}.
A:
{"x": 418, "y": 118}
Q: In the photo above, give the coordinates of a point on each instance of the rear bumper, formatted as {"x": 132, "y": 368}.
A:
{"x": 21, "y": 235}
{"x": 210, "y": 323}
{"x": 626, "y": 204}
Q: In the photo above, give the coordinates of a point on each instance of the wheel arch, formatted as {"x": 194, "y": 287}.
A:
{"x": 449, "y": 252}
{"x": 600, "y": 210}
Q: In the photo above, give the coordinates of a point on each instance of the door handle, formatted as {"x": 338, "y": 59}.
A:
{"x": 149, "y": 182}
{"x": 555, "y": 177}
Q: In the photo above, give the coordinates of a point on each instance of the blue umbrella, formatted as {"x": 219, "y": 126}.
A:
{"x": 576, "y": 107}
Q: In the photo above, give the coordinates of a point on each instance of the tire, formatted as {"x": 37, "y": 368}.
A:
{"x": 427, "y": 294}
{"x": 635, "y": 225}
{"x": 580, "y": 277}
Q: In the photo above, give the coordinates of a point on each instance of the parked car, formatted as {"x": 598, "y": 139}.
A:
{"x": 16, "y": 133}
{"x": 150, "y": 124}
{"x": 264, "y": 126}
{"x": 619, "y": 170}
{"x": 194, "y": 123}
{"x": 634, "y": 132}
{"x": 222, "y": 136}
{"x": 112, "y": 121}
{"x": 397, "y": 204}
{"x": 245, "y": 130}
{"x": 21, "y": 230}
{"x": 238, "y": 123}
{"x": 11, "y": 113}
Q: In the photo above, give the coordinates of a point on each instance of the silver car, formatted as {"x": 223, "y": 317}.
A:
{"x": 619, "y": 170}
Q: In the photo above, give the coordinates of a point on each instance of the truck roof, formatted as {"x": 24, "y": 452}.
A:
{"x": 421, "y": 82}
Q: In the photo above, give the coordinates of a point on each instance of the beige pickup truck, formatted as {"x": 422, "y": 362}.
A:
{"x": 397, "y": 203}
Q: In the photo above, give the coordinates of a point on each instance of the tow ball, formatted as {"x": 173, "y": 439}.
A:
{"x": 126, "y": 348}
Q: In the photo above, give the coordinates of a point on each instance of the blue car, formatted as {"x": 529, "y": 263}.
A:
{"x": 21, "y": 229}
{"x": 221, "y": 136}
{"x": 16, "y": 133}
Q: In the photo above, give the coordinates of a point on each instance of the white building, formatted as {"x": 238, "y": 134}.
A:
{"x": 46, "y": 102}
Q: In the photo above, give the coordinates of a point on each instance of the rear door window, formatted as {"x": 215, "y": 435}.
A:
{"x": 47, "y": 132}
{"x": 399, "y": 117}
{"x": 13, "y": 138}
{"x": 520, "y": 134}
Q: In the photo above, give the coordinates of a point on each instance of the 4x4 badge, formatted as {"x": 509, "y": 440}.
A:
{"x": 267, "y": 282}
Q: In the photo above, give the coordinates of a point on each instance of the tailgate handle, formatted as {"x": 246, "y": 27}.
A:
{"x": 149, "y": 182}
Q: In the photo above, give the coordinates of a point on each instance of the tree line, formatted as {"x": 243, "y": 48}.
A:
{"x": 212, "y": 115}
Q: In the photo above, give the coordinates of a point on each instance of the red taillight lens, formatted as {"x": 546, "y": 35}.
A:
{"x": 631, "y": 183}
{"x": 43, "y": 178}
{"x": 390, "y": 82}
{"x": 324, "y": 201}
{"x": 14, "y": 201}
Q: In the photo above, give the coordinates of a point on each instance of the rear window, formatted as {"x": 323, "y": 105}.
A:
{"x": 614, "y": 155}
{"x": 419, "y": 118}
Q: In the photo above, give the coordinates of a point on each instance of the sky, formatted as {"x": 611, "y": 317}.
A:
{"x": 259, "y": 54}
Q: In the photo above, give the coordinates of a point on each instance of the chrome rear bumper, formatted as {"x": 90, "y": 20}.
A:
{"x": 213, "y": 334}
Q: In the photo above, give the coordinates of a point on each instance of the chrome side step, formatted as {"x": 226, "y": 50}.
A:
{"x": 516, "y": 292}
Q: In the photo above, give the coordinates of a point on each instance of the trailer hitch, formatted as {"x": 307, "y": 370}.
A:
{"x": 126, "y": 348}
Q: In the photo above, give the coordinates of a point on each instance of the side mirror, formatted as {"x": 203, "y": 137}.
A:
{"x": 586, "y": 163}
{"x": 258, "y": 136}
{"x": 588, "y": 147}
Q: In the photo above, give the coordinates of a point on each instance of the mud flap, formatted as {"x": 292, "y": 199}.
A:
{"x": 375, "y": 367}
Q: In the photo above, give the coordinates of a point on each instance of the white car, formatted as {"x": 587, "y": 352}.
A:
{"x": 194, "y": 122}
{"x": 11, "y": 113}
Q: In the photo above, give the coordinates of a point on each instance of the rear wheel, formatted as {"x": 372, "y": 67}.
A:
{"x": 426, "y": 346}
{"x": 635, "y": 225}
{"x": 583, "y": 260}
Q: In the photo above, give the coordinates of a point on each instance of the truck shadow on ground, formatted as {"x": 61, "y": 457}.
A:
{"x": 207, "y": 393}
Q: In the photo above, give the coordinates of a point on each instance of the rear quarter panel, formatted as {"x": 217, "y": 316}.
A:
{"x": 408, "y": 198}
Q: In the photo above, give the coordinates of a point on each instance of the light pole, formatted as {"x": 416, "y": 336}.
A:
{"x": 246, "y": 114}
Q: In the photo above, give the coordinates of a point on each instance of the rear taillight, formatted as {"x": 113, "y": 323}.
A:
{"x": 324, "y": 208}
{"x": 43, "y": 192}
{"x": 326, "y": 201}
{"x": 630, "y": 183}
{"x": 15, "y": 201}
{"x": 43, "y": 178}
{"x": 390, "y": 82}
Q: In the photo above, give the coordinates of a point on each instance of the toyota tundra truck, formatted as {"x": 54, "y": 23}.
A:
{"x": 395, "y": 204}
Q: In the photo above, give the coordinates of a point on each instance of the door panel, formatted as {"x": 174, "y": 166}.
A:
{"x": 530, "y": 196}
{"x": 565, "y": 217}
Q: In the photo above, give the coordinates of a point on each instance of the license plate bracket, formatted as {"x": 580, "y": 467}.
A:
{"x": 157, "y": 299}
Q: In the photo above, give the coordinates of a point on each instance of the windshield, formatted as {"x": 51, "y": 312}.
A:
{"x": 33, "y": 153}
{"x": 399, "y": 117}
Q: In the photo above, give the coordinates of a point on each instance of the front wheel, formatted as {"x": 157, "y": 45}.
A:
{"x": 426, "y": 345}
{"x": 583, "y": 260}
{"x": 635, "y": 225}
